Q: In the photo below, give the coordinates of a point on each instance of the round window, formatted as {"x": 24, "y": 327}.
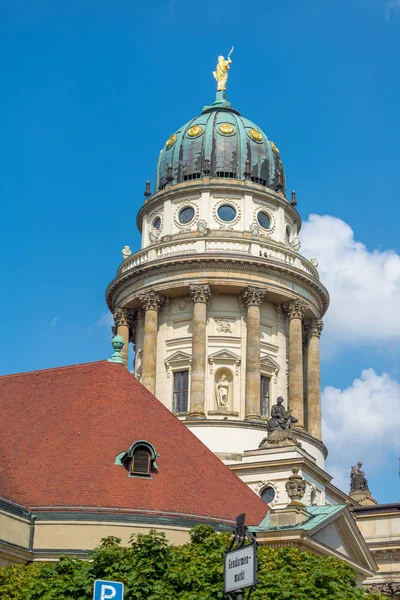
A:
{"x": 226, "y": 212}
{"x": 186, "y": 215}
{"x": 157, "y": 223}
{"x": 264, "y": 220}
{"x": 268, "y": 495}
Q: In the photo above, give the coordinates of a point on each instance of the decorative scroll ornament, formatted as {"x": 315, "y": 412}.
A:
{"x": 221, "y": 71}
{"x": 151, "y": 300}
{"x": 295, "y": 488}
{"x": 200, "y": 293}
{"x": 252, "y": 296}
{"x": 195, "y": 131}
{"x": 123, "y": 316}
{"x": 295, "y": 309}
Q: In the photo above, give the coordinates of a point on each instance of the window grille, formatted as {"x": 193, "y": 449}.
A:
{"x": 264, "y": 395}
{"x": 181, "y": 391}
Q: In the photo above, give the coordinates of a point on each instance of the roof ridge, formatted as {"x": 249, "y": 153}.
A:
{"x": 63, "y": 368}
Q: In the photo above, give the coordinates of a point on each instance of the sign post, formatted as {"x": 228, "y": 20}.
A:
{"x": 108, "y": 590}
{"x": 240, "y": 562}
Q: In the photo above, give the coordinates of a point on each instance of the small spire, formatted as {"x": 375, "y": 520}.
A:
{"x": 279, "y": 183}
{"x": 207, "y": 168}
{"x": 117, "y": 343}
{"x": 247, "y": 171}
{"x": 169, "y": 177}
{"x": 293, "y": 200}
{"x": 147, "y": 191}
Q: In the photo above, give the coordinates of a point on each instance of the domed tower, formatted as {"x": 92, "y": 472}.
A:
{"x": 224, "y": 312}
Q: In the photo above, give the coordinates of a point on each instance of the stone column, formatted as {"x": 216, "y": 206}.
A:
{"x": 151, "y": 302}
{"x": 252, "y": 298}
{"x": 123, "y": 319}
{"x": 200, "y": 295}
{"x": 313, "y": 381}
{"x": 295, "y": 311}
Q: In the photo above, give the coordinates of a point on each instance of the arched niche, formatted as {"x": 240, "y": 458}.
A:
{"x": 223, "y": 388}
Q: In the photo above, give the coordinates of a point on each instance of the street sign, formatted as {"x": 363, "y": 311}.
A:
{"x": 240, "y": 568}
{"x": 108, "y": 590}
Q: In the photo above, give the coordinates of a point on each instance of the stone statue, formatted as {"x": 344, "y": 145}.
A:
{"x": 358, "y": 481}
{"x": 281, "y": 419}
{"x": 221, "y": 71}
{"x": 126, "y": 252}
{"x": 222, "y": 392}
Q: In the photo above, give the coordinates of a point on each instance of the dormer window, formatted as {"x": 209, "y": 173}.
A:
{"x": 139, "y": 460}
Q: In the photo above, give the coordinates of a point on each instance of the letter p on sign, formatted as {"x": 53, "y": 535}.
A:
{"x": 108, "y": 590}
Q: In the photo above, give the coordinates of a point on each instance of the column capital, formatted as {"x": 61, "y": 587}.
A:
{"x": 123, "y": 316}
{"x": 312, "y": 327}
{"x": 151, "y": 300}
{"x": 295, "y": 309}
{"x": 252, "y": 296}
{"x": 199, "y": 293}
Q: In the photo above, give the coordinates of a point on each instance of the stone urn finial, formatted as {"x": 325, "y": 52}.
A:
{"x": 117, "y": 343}
{"x": 295, "y": 487}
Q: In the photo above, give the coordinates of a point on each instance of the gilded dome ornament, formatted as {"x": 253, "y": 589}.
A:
{"x": 221, "y": 71}
{"x": 226, "y": 128}
{"x": 255, "y": 135}
{"x": 274, "y": 148}
{"x": 195, "y": 131}
{"x": 171, "y": 141}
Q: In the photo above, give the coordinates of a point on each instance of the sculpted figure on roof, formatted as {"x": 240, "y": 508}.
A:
{"x": 221, "y": 71}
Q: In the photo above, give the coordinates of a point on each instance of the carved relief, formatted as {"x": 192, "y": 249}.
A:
{"x": 223, "y": 326}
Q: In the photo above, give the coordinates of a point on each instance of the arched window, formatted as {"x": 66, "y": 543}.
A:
{"x": 139, "y": 460}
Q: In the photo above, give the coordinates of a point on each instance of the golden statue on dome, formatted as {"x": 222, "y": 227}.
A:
{"x": 221, "y": 71}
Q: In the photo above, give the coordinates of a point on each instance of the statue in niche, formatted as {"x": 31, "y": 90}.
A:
{"x": 281, "y": 419}
{"x": 358, "y": 481}
{"x": 222, "y": 392}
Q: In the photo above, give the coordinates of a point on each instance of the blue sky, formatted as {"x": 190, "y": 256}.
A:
{"x": 90, "y": 92}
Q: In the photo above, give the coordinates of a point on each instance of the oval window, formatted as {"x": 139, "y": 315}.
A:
{"x": 186, "y": 215}
{"x": 226, "y": 212}
{"x": 157, "y": 223}
{"x": 264, "y": 220}
{"x": 268, "y": 495}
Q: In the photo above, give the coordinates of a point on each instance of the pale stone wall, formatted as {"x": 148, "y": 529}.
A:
{"x": 14, "y": 529}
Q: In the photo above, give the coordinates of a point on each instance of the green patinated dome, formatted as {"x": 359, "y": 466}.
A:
{"x": 220, "y": 143}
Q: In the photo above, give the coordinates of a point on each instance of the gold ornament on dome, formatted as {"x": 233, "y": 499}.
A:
{"x": 171, "y": 140}
{"x": 255, "y": 135}
{"x": 226, "y": 128}
{"x": 195, "y": 131}
{"x": 274, "y": 148}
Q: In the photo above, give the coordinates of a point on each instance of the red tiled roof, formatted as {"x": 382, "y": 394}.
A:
{"x": 61, "y": 430}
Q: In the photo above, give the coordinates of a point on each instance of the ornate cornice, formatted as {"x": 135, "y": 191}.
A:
{"x": 123, "y": 316}
{"x": 199, "y": 293}
{"x": 295, "y": 309}
{"x": 151, "y": 300}
{"x": 389, "y": 588}
{"x": 252, "y": 296}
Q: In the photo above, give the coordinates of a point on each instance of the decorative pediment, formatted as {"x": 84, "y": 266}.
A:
{"x": 177, "y": 360}
{"x": 269, "y": 362}
{"x": 224, "y": 357}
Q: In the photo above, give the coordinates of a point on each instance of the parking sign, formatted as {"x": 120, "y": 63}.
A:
{"x": 108, "y": 590}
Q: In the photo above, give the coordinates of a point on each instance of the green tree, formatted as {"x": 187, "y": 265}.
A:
{"x": 152, "y": 569}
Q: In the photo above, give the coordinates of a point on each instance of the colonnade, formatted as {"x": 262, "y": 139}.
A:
{"x": 304, "y": 400}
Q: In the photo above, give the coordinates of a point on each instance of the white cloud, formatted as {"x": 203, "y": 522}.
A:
{"x": 105, "y": 320}
{"x": 364, "y": 286}
{"x": 392, "y": 7}
{"x": 54, "y": 322}
{"x": 361, "y": 422}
